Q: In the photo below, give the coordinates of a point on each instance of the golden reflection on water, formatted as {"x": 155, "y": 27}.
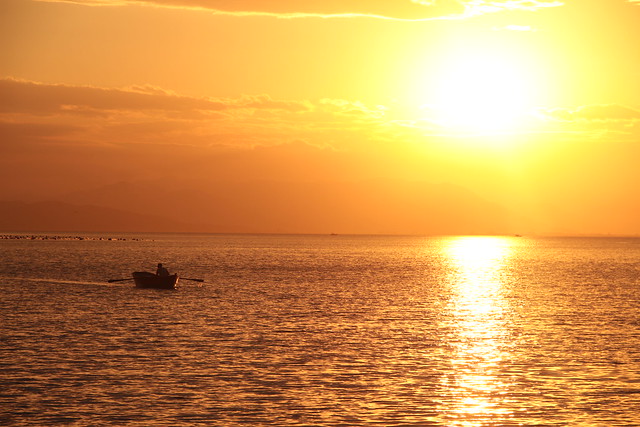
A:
{"x": 478, "y": 335}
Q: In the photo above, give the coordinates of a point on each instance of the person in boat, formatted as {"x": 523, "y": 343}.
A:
{"x": 161, "y": 271}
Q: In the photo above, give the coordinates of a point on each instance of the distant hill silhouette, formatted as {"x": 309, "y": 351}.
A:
{"x": 367, "y": 207}
{"x": 59, "y": 216}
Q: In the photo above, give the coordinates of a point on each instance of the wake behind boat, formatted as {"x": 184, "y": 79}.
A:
{"x": 145, "y": 279}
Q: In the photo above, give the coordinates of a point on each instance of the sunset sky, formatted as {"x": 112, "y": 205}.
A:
{"x": 400, "y": 109}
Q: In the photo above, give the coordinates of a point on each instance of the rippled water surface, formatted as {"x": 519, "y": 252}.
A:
{"x": 322, "y": 331}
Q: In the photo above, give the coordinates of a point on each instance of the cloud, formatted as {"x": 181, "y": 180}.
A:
{"x": 266, "y": 102}
{"x": 481, "y": 6}
{"x": 24, "y": 96}
{"x": 382, "y": 9}
{"x": 150, "y": 115}
{"x": 599, "y": 113}
{"x": 33, "y": 97}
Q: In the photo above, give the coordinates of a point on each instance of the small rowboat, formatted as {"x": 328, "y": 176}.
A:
{"x": 150, "y": 280}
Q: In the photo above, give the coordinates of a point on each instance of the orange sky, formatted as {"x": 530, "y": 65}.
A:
{"x": 527, "y": 108}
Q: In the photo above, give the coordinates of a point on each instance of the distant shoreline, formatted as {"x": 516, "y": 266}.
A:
{"x": 61, "y": 237}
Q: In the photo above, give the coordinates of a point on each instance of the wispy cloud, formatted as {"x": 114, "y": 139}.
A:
{"x": 599, "y": 113}
{"x": 26, "y": 96}
{"x": 22, "y": 96}
{"x": 414, "y": 10}
{"x": 152, "y": 115}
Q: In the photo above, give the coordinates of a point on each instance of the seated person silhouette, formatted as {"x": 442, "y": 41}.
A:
{"x": 161, "y": 271}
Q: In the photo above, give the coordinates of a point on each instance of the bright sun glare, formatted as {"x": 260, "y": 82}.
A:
{"x": 481, "y": 90}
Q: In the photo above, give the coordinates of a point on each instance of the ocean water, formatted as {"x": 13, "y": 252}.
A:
{"x": 321, "y": 331}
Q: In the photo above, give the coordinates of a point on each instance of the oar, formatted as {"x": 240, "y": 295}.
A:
{"x": 195, "y": 280}
{"x": 119, "y": 280}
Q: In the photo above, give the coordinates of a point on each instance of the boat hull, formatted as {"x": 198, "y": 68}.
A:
{"x": 150, "y": 280}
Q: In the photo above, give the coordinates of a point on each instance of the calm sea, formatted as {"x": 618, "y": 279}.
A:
{"x": 321, "y": 331}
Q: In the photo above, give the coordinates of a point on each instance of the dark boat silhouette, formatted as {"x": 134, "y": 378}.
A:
{"x": 144, "y": 279}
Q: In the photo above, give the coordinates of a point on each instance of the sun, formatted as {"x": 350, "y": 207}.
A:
{"x": 481, "y": 90}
